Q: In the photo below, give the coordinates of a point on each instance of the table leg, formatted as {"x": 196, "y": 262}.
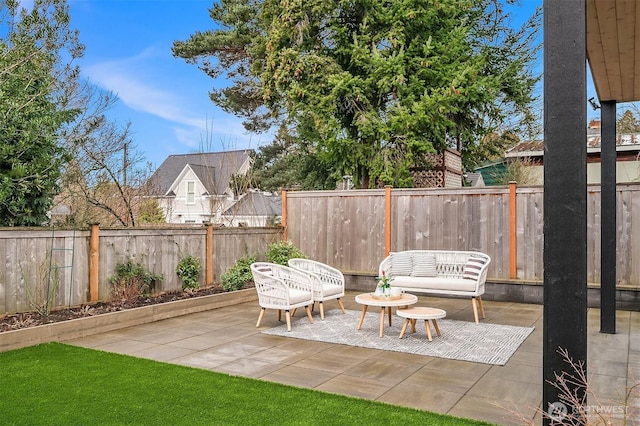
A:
{"x": 413, "y": 325}
{"x": 435, "y": 325}
{"x": 389, "y": 310}
{"x": 382, "y": 321}
{"x": 364, "y": 311}
{"x": 426, "y": 323}
{"x": 404, "y": 327}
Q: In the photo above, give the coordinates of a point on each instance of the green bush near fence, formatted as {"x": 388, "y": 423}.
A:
{"x": 282, "y": 251}
{"x": 131, "y": 281}
{"x": 238, "y": 276}
{"x": 188, "y": 270}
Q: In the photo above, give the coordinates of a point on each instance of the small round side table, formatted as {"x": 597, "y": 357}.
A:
{"x": 421, "y": 313}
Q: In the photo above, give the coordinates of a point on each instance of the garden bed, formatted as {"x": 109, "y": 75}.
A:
{"x": 102, "y": 317}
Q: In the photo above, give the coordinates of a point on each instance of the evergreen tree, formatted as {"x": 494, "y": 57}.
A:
{"x": 628, "y": 123}
{"x": 37, "y": 48}
{"x": 371, "y": 86}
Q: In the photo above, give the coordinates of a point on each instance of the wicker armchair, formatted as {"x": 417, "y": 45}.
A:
{"x": 328, "y": 282}
{"x": 282, "y": 288}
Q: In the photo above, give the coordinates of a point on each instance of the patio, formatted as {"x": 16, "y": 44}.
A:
{"x": 226, "y": 340}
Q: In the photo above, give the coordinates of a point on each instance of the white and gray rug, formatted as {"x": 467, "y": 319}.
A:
{"x": 462, "y": 340}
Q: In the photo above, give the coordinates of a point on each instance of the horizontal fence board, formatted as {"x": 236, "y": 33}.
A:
{"x": 26, "y": 254}
{"x": 345, "y": 229}
{"x": 455, "y": 219}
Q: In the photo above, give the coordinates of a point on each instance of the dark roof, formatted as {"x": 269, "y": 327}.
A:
{"x": 492, "y": 171}
{"x": 536, "y": 147}
{"x": 255, "y": 203}
{"x": 474, "y": 179}
{"x": 214, "y": 169}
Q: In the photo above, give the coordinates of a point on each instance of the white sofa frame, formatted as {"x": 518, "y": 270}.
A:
{"x": 448, "y": 279}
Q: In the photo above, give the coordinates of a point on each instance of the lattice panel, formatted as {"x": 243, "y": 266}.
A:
{"x": 428, "y": 179}
{"x": 444, "y": 171}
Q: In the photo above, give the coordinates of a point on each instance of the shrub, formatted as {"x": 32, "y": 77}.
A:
{"x": 238, "y": 276}
{"x": 131, "y": 281}
{"x": 42, "y": 292}
{"x": 282, "y": 251}
{"x": 188, "y": 270}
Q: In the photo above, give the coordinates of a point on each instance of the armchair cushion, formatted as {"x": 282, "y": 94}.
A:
{"x": 331, "y": 289}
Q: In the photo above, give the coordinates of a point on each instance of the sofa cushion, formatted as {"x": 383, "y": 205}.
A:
{"x": 473, "y": 267}
{"x": 401, "y": 263}
{"x": 424, "y": 266}
{"x": 435, "y": 283}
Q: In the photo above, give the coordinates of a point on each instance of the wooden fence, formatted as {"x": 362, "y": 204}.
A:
{"x": 27, "y": 264}
{"x": 353, "y": 230}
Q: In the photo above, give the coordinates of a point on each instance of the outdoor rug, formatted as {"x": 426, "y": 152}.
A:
{"x": 462, "y": 340}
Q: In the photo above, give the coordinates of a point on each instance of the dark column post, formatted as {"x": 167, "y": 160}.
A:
{"x": 565, "y": 195}
{"x": 608, "y": 218}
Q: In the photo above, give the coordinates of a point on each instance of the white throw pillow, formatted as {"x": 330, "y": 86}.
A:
{"x": 401, "y": 263}
{"x": 424, "y": 266}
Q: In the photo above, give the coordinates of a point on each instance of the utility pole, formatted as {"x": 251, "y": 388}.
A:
{"x": 124, "y": 184}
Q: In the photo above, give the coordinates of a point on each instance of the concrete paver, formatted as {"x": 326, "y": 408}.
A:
{"x": 227, "y": 340}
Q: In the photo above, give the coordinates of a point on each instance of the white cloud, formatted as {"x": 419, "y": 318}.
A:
{"x": 141, "y": 84}
{"x": 126, "y": 78}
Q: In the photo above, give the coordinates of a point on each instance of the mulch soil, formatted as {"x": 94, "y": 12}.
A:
{"x": 32, "y": 319}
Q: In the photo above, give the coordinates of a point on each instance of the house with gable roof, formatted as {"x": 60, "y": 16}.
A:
{"x": 254, "y": 209}
{"x": 196, "y": 188}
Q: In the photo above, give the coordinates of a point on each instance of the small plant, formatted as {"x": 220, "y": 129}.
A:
{"x": 238, "y": 276}
{"x": 384, "y": 281}
{"x": 85, "y": 311}
{"x": 42, "y": 293}
{"x": 282, "y": 251}
{"x": 131, "y": 281}
{"x": 188, "y": 270}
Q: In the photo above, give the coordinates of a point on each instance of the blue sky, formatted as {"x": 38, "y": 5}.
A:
{"x": 128, "y": 51}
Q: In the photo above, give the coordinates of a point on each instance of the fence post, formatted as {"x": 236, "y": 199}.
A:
{"x": 208, "y": 263}
{"x": 284, "y": 215}
{"x": 513, "y": 241}
{"x": 94, "y": 265}
{"x": 387, "y": 220}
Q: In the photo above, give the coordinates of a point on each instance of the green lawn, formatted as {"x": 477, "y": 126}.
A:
{"x": 57, "y": 384}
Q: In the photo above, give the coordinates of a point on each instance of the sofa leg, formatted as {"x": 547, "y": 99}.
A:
{"x": 481, "y": 306}
{"x": 287, "y": 314}
{"x": 341, "y": 305}
{"x": 474, "y": 303}
{"x": 321, "y": 311}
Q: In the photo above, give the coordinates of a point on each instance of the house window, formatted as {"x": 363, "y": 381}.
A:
{"x": 191, "y": 192}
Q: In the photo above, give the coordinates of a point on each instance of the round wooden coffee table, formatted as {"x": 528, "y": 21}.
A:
{"x": 423, "y": 313}
{"x": 367, "y": 299}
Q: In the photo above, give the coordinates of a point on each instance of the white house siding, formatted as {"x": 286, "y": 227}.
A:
{"x": 183, "y": 212}
{"x": 626, "y": 172}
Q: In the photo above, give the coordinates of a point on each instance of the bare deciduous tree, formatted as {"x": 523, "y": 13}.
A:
{"x": 107, "y": 179}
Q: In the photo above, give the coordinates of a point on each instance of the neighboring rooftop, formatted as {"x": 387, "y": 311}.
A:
{"x": 214, "y": 169}
{"x": 256, "y": 203}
